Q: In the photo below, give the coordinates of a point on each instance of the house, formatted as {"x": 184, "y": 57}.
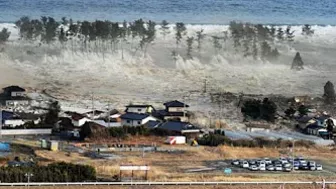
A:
{"x": 14, "y": 96}
{"x": 304, "y": 121}
{"x": 12, "y": 120}
{"x": 106, "y": 123}
{"x": 257, "y": 126}
{"x": 180, "y": 128}
{"x": 79, "y": 120}
{"x": 152, "y": 124}
{"x": 95, "y": 114}
{"x": 315, "y": 129}
{"x": 140, "y": 109}
{"x": 175, "y": 110}
{"x": 135, "y": 119}
{"x": 13, "y": 91}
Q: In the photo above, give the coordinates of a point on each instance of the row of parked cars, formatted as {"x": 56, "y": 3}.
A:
{"x": 281, "y": 164}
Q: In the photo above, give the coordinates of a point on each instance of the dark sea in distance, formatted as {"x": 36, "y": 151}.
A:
{"x": 278, "y": 12}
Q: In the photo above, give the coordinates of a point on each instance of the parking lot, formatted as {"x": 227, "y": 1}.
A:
{"x": 276, "y": 165}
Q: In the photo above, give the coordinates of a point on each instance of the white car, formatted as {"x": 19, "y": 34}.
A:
{"x": 312, "y": 168}
{"x": 262, "y": 163}
{"x": 319, "y": 167}
{"x": 278, "y": 167}
{"x": 283, "y": 160}
{"x": 245, "y": 164}
{"x": 267, "y": 161}
{"x": 270, "y": 168}
{"x": 253, "y": 168}
{"x": 311, "y": 163}
{"x": 262, "y": 168}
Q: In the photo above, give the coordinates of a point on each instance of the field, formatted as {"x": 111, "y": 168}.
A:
{"x": 180, "y": 163}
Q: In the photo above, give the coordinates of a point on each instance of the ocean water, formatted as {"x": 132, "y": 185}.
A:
{"x": 319, "y": 12}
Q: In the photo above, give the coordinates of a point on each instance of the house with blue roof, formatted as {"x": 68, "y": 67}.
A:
{"x": 179, "y": 128}
{"x": 135, "y": 119}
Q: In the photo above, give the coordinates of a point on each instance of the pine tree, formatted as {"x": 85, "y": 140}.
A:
{"x": 306, "y": 30}
{"x": 329, "y": 93}
{"x": 180, "y": 32}
{"x": 199, "y": 36}
{"x": 190, "y": 41}
{"x": 4, "y": 35}
{"x": 289, "y": 34}
{"x": 280, "y": 34}
{"x": 297, "y": 63}
{"x": 255, "y": 49}
{"x": 164, "y": 28}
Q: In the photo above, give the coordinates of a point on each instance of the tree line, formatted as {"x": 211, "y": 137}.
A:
{"x": 55, "y": 172}
{"x": 253, "y": 40}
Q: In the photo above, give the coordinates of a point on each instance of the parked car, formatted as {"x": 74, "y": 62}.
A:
{"x": 245, "y": 164}
{"x": 283, "y": 160}
{"x": 267, "y": 161}
{"x": 312, "y": 168}
{"x": 311, "y": 164}
{"x": 278, "y": 167}
{"x": 235, "y": 162}
{"x": 262, "y": 168}
{"x": 270, "y": 168}
{"x": 319, "y": 167}
{"x": 288, "y": 169}
{"x": 304, "y": 167}
{"x": 287, "y": 165}
{"x": 252, "y": 162}
{"x": 253, "y": 168}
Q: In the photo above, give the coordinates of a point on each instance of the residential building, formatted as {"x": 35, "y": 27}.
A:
{"x": 180, "y": 128}
{"x": 135, "y": 119}
{"x": 14, "y": 96}
{"x": 140, "y": 109}
{"x": 95, "y": 114}
{"x": 175, "y": 110}
{"x": 14, "y": 91}
{"x": 79, "y": 120}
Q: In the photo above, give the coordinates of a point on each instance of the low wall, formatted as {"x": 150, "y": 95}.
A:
{"x": 25, "y": 132}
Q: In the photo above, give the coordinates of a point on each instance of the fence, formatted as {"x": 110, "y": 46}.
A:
{"x": 25, "y": 132}
{"x": 162, "y": 183}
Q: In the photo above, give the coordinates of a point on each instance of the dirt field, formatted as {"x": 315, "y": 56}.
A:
{"x": 171, "y": 166}
{"x": 183, "y": 187}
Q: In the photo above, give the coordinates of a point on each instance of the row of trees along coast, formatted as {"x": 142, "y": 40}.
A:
{"x": 101, "y": 36}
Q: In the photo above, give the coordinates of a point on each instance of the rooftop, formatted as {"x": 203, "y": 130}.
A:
{"x": 133, "y": 116}
{"x": 14, "y": 88}
{"x": 175, "y": 103}
{"x": 177, "y": 126}
{"x": 138, "y": 106}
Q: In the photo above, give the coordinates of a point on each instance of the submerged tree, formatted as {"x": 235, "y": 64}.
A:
{"x": 199, "y": 37}
{"x": 297, "y": 63}
{"x": 164, "y": 28}
{"x": 306, "y": 30}
{"x": 52, "y": 115}
{"x": 4, "y": 35}
{"x": 280, "y": 34}
{"x": 289, "y": 34}
{"x": 180, "y": 32}
{"x": 216, "y": 44}
{"x": 329, "y": 93}
{"x": 190, "y": 41}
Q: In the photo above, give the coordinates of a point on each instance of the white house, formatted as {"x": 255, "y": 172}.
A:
{"x": 79, "y": 120}
{"x": 140, "y": 109}
{"x": 134, "y": 119}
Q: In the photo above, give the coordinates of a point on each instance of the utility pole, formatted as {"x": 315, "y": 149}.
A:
{"x": 205, "y": 85}
{"x": 109, "y": 114}
{"x": 1, "y": 124}
{"x": 93, "y": 112}
{"x": 28, "y": 175}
